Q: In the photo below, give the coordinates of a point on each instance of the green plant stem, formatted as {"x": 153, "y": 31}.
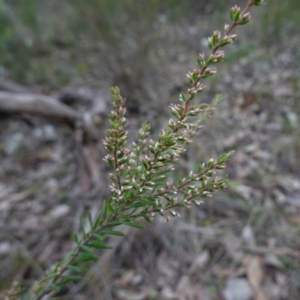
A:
{"x": 214, "y": 50}
{"x": 117, "y": 214}
{"x": 74, "y": 255}
{"x": 85, "y": 241}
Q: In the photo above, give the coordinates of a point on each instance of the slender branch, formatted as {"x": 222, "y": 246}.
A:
{"x": 74, "y": 255}
{"x": 170, "y": 144}
{"x": 214, "y": 50}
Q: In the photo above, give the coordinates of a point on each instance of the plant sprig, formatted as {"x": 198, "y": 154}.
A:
{"x": 141, "y": 185}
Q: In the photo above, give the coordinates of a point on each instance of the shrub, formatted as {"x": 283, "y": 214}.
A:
{"x": 141, "y": 186}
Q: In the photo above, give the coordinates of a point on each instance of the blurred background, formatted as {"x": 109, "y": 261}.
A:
{"x": 62, "y": 57}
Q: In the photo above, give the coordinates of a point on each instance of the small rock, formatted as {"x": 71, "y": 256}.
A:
{"x": 59, "y": 211}
{"x": 252, "y": 148}
{"x": 230, "y": 141}
{"x": 13, "y": 142}
{"x": 273, "y": 261}
{"x": 248, "y": 236}
{"x": 244, "y": 191}
{"x": 136, "y": 279}
{"x": 290, "y": 117}
{"x": 52, "y": 186}
{"x": 47, "y": 133}
{"x": 5, "y": 190}
{"x": 126, "y": 278}
{"x": 5, "y": 248}
{"x": 279, "y": 196}
{"x": 238, "y": 289}
{"x": 200, "y": 262}
{"x": 168, "y": 294}
{"x": 126, "y": 295}
{"x": 183, "y": 283}
{"x": 232, "y": 244}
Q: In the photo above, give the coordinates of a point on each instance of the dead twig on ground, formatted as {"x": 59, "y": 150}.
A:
{"x": 276, "y": 251}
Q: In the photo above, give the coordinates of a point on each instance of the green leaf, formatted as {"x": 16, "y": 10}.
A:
{"x": 147, "y": 219}
{"x": 101, "y": 214}
{"x": 109, "y": 207}
{"x": 162, "y": 172}
{"x": 159, "y": 181}
{"x": 68, "y": 278}
{"x": 84, "y": 257}
{"x": 113, "y": 224}
{"x": 232, "y": 15}
{"x": 75, "y": 237}
{"x": 54, "y": 287}
{"x": 112, "y": 232}
{"x": 138, "y": 204}
{"x": 129, "y": 194}
{"x": 145, "y": 164}
{"x": 99, "y": 245}
{"x": 98, "y": 236}
{"x": 86, "y": 248}
{"x": 229, "y": 154}
{"x": 133, "y": 223}
{"x": 82, "y": 225}
{"x": 48, "y": 277}
{"x": 74, "y": 268}
{"x": 182, "y": 97}
{"x": 90, "y": 219}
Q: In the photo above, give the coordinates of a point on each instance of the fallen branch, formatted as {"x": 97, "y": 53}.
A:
{"x": 36, "y": 104}
{"x": 51, "y": 108}
{"x": 88, "y": 125}
{"x": 276, "y": 251}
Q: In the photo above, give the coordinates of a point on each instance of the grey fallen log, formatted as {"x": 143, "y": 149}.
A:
{"x": 51, "y": 108}
{"x": 36, "y": 104}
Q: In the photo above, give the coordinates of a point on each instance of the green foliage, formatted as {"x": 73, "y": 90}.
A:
{"x": 15, "y": 47}
{"x": 32, "y": 31}
{"x": 280, "y": 17}
{"x": 141, "y": 177}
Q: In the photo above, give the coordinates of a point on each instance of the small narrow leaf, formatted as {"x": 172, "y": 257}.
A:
{"x": 85, "y": 257}
{"x": 147, "y": 219}
{"x": 99, "y": 245}
{"x": 54, "y": 287}
{"x": 90, "y": 219}
{"x": 75, "y": 237}
{"x": 98, "y": 236}
{"x": 113, "y": 224}
{"x": 139, "y": 204}
{"x": 74, "y": 268}
{"x": 85, "y": 248}
{"x": 82, "y": 225}
{"x": 133, "y": 223}
{"x": 109, "y": 207}
{"x": 48, "y": 277}
{"x": 101, "y": 214}
{"x": 68, "y": 278}
{"x": 112, "y": 232}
